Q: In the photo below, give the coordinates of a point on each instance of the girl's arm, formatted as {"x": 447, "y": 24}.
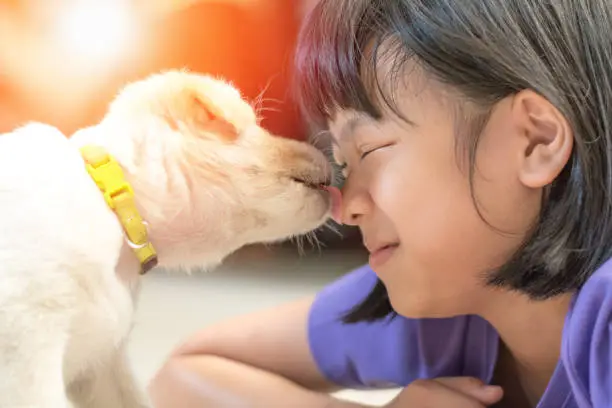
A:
{"x": 263, "y": 357}
{"x": 296, "y": 354}
{"x": 216, "y": 382}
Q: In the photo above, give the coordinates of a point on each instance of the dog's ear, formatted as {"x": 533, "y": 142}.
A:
{"x": 201, "y": 116}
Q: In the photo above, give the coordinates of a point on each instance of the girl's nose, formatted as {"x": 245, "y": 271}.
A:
{"x": 355, "y": 204}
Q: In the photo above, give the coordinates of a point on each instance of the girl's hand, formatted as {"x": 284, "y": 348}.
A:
{"x": 455, "y": 392}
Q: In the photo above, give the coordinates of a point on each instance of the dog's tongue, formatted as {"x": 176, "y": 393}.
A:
{"x": 336, "y": 199}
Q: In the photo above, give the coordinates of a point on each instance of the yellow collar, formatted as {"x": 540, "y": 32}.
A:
{"x": 119, "y": 196}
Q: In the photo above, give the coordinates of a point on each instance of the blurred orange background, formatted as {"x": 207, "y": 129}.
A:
{"x": 62, "y": 61}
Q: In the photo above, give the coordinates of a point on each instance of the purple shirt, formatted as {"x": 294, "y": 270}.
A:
{"x": 396, "y": 352}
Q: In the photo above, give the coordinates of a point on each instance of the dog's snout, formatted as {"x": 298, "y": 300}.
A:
{"x": 302, "y": 162}
{"x": 317, "y": 169}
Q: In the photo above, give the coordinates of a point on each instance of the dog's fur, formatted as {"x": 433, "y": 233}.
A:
{"x": 208, "y": 180}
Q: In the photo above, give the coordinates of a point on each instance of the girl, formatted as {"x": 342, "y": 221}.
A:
{"x": 476, "y": 141}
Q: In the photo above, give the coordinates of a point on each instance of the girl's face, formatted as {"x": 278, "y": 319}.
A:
{"x": 408, "y": 190}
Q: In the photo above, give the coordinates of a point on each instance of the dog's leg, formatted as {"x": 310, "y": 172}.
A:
{"x": 31, "y": 365}
{"x": 112, "y": 385}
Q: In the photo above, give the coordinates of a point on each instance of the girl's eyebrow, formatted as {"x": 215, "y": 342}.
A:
{"x": 349, "y": 127}
{"x": 346, "y": 131}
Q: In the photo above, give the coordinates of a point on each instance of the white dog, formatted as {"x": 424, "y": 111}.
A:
{"x": 206, "y": 180}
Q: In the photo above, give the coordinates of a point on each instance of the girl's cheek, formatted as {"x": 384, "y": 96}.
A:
{"x": 388, "y": 183}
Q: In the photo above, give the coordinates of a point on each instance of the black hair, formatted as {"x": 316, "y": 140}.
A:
{"x": 486, "y": 50}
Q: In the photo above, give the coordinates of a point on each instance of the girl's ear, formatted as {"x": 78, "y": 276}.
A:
{"x": 548, "y": 139}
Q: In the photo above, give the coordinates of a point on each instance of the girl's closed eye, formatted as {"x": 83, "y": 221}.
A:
{"x": 367, "y": 151}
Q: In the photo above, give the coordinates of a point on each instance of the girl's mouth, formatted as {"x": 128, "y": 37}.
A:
{"x": 380, "y": 256}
